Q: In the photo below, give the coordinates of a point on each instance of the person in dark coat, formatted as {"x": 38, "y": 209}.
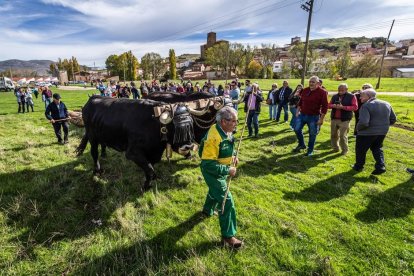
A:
{"x": 282, "y": 100}
{"x": 57, "y": 113}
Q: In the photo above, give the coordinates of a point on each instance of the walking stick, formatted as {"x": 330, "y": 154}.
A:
{"x": 232, "y": 163}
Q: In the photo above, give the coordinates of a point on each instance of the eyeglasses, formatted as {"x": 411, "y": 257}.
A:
{"x": 233, "y": 121}
{"x": 312, "y": 81}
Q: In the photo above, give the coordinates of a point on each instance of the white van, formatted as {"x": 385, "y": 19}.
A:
{"x": 6, "y": 84}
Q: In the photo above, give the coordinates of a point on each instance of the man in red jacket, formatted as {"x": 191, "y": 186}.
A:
{"x": 311, "y": 111}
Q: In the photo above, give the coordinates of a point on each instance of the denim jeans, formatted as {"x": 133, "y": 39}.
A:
{"x": 47, "y": 102}
{"x": 272, "y": 111}
{"x": 293, "y": 119}
{"x": 285, "y": 110}
{"x": 253, "y": 117}
{"x": 311, "y": 121}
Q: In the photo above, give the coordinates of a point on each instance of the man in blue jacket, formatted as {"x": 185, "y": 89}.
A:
{"x": 282, "y": 99}
{"x": 57, "y": 114}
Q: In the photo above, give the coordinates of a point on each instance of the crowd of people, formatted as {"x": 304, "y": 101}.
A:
{"x": 308, "y": 106}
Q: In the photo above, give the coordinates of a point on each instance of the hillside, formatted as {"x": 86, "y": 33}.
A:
{"x": 333, "y": 44}
{"x": 40, "y": 66}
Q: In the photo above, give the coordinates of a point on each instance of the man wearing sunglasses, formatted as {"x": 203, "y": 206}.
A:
{"x": 311, "y": 111}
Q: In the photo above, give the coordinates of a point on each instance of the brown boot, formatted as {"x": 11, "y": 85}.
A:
{"x": 232, "y": 242}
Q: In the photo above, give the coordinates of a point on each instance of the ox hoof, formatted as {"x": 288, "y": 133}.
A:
{"x": 146, "y": 188}
{"x": 98, "y": 172}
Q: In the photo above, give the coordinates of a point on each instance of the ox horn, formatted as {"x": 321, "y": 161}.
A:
{"x": 165, "y": 118}
{"x": 199, "y": 112}
{"x": 219, "y": 104}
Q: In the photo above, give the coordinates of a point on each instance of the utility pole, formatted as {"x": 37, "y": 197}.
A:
{"x": 308, "y": 7}
{"x": 383, "y": 56}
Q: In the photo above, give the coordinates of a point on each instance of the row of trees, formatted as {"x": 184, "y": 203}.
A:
{"x": 152, "y": 64}
{"x": 71, "y": 66}
{"x": 240, "y": 59}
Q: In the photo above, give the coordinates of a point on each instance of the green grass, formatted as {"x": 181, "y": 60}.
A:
{"x": 297, "y": 215}
{"x": 387, "y": 84}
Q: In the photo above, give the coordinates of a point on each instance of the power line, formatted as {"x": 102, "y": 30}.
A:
{"x": 227, "y": 20}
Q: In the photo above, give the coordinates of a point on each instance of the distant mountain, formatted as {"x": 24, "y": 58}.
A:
{"x": 40, "y": 66}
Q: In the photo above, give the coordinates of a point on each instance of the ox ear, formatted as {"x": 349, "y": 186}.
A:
{"x": 165, "y": 118}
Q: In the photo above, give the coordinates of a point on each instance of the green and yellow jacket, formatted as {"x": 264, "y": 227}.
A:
{"x": 216, "y": 151}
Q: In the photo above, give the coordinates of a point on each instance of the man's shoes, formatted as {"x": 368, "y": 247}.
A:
{"x": 232, "y": 242}
{"x": 355, "y": 168}
{"x": 299, "y": 148}
{"x": 65, "y": 141}
{"x": 256, "y": 136}
{"x": 60, "y": 142}
{"x": 309, "y": 153}
{"x": 344, "y": 152}
{"x": 378, "y": 171}
{"x": 206, "y": 214}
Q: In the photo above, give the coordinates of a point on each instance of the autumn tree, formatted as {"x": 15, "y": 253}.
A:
{"x": 254, "y": 69}
{"x": 368, "y": 66}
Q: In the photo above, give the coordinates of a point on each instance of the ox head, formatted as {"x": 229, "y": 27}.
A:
{"x": 182, "y": 123}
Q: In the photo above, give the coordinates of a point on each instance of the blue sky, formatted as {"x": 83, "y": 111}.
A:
{"x": 91, "y": 30}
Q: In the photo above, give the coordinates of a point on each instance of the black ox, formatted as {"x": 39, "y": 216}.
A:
{"x": 131, "y": 126}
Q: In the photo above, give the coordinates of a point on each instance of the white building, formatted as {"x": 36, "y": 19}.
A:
{"x": 403, "y": 73}
{"x": 277, "y": 66}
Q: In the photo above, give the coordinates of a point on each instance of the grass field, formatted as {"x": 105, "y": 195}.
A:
{"x": 297, "y": 215}
{"x": 387, "y": 84}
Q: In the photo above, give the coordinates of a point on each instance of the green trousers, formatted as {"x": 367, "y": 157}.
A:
{"x": 216, "y": 190}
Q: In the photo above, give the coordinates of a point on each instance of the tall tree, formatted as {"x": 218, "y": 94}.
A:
{"x": 111, "y": 64}
{"x": 152, "y": 65}
{"x": 218, "y": 56}
{"x": 368, "y": 66}
{"x": 344, "y": 62}
{"x": 235, "y": 57}
{"x": 269, "y": 55}
{"x": 173, "y": 64}
{"x": 297, "y": 52}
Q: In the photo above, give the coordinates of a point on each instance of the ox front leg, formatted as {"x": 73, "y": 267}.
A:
{"x": 139, "y": 158}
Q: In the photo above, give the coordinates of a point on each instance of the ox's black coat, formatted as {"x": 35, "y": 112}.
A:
{"x": 125, "y": 125}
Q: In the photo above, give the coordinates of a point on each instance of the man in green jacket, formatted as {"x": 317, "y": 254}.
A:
{"x": 216, "y": 152}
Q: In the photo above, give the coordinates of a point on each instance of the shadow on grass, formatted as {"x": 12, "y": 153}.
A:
{"x": 279, "y": 163}
{"x": 65, "y": 201}
{"x": 396, "y": 202}
{"x": 328, "y": 189}
{"x": 22, "y": 147}
{"x": 150, "y": 255}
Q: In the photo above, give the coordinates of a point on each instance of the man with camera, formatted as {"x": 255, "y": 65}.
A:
{"x": 342, "y": 105}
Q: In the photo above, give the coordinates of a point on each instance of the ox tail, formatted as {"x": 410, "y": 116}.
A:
{"x": 82, "y": 146}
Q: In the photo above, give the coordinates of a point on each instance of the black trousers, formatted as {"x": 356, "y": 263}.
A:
{"x": 374, "y": 143}
{"x": 57, "y": 126}
{"x": 22, "y": 107}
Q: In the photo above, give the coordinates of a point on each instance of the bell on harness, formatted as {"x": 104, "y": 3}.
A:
{"x": 183, "y": 124}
